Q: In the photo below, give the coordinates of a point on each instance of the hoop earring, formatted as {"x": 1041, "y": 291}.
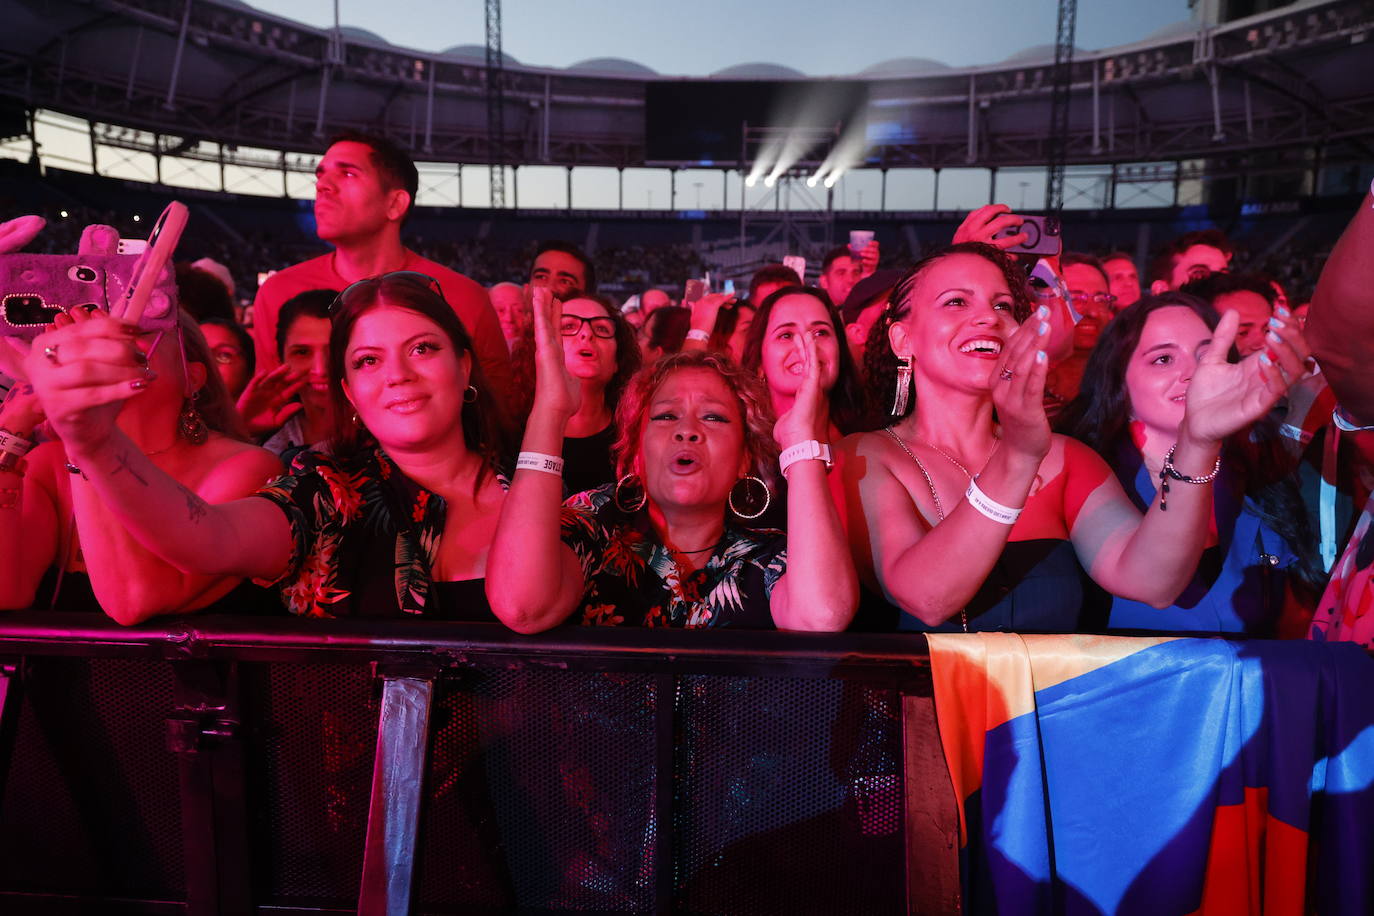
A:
{"x": 899, "y": 403}
{"x": 470, "y": 395}
{"x": 767, "y": 497}
{"x": 643, "y": 496}
{"x": 190, "y": 424}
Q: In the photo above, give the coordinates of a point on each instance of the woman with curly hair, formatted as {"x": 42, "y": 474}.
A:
{"x": 395, "y": 519}
{"x": 968, "y": 513}
{"x": 659, "y": 547}
{"x": 1129, "y": 410}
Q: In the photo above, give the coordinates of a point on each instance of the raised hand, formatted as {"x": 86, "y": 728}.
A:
{"x": 868, "y": 258}
{"x": 268, "y": 400}
{"x": 985, "y": 222}
{"x": 809, "y": 415}
{"x": 1223, "y": 397}
{"x": 555, "y": 388}
{"x": 83, "y": 372}
{"x": 1018, "y": 388}
{"x": 705, "y": 310}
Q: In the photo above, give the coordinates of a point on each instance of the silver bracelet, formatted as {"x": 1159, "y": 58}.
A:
{"x": 538, "y": 461}
{"x": 989, "y": 507}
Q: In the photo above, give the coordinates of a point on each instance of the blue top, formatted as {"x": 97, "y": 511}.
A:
{"x": 1235, "y": 590}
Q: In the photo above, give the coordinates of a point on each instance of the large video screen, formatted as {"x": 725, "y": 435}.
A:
{"x": 701, "y": 121}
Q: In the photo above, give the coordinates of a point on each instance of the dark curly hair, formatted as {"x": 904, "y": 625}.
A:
{"x": 632, "y": 413}
{"x": 880, "y": 363}
{"x": 1100, "y": 417}
{"x": 847, "y": 397}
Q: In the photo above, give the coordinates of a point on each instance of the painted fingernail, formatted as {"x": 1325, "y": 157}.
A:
{"x": 132, "y": 330}
{"x": 1264, "y": 358}
{"x": 140, "y": 356}
{"x": 1272, "y": 337}
{"x": 1276, "y": 323}
{"x": 1283, "y": 312}
{"x": 1043, "y": 329}
{"x": 1043, "y": 312}
{"x": 139, "y": 384}
{"x": 1040, "y": 356}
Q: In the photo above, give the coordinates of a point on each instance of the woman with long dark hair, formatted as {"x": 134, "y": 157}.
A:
{"x": 1129, "y": 409}
{"x": 65, "y": 544}
{"x": 968, "y": 513}
{"x": 395, "y": 518}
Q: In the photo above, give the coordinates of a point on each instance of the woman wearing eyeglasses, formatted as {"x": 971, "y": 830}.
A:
{"x": 599, "y": 350}
{"x": 394, "y": 519}
{"x": 129, "y": 406}
{"x": 670, "y": 543}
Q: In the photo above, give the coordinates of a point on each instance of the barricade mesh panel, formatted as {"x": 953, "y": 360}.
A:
{"x": 789, "y": 798}
{"x": 541, "y": 793}
{"x": 310, "y": 738}
{"x": 92, "y": 802}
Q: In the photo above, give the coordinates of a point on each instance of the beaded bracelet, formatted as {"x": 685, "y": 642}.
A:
{"x": 1169, "y": 472}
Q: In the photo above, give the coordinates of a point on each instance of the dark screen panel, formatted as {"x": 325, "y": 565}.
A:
{"x": 702, "y": 121}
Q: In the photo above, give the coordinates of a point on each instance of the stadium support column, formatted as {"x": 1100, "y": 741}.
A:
{"x": 496, "y": 105}
{"x": 1057, "y": 148}
{"x": 171, "y": 103}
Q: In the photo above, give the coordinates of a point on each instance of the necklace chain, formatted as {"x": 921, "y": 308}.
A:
{"x": 939, "y": 508}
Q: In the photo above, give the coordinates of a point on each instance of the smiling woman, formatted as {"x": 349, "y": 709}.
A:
{"x": 968, "y": 514}
{"x": 395, "y": 518}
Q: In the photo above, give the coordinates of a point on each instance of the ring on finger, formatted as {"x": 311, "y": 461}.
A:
{"x": 1006, "y": 374}
{"x": 50, "y": 351}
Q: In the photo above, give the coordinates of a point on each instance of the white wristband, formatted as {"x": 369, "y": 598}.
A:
{"x": 803, "y": 451}
{"x": 14, "y": 445}
{"x": 699, "y": 334}
{"x": 537, "y": 461}
{"x": 991, "y": 508}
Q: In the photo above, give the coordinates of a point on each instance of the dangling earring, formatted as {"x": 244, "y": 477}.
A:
{"x": 470, "y": 395}
{"x": 767, "y": 497}
{"x": 190, "y": 424}
{"x": 643, "y": 496}
{"x": 903, "y": 386}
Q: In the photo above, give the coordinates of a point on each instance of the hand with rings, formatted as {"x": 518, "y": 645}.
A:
{"x": 50, "y": 351}
{"x": 1020, "y": 402}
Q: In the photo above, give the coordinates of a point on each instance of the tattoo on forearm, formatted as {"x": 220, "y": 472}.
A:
{"x": 196, "y": 508}
{"x": 122, "y": 464}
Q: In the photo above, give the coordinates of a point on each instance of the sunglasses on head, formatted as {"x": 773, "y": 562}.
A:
{"x": 413, "y": 277}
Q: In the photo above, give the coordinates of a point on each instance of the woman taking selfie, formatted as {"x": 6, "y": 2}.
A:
{"x": 395, "y": 520}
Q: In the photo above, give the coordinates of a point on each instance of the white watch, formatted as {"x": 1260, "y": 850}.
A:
{"x": 804, "y": 451}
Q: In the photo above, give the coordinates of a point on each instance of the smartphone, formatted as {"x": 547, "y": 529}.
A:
{"x": 797, "y": 263}
{"x": 729, "y": 288}
{"x": 1042, "y": 236}
{"x": 147, "y": 272}
{"x": 696, "y": 288}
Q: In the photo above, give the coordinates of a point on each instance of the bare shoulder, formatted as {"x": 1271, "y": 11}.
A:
{"x": 234, "y": 468}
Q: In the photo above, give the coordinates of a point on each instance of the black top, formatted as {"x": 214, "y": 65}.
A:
{"x": 76, "y": 594}
{"x": 587, "y": 461}
{"x": 464, "y": 600}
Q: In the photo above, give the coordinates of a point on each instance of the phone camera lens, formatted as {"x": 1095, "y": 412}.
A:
{"x": 83, "y": 274}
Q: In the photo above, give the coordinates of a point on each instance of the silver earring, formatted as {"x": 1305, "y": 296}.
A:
{"x": 899, "y": 403}
{"x": 643, "y": 496}
{"x": 767, "y": 497}
{"x": 470, "y": 395}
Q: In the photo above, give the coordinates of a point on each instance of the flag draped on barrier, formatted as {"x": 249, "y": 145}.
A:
{"x": 1159, "y": 775}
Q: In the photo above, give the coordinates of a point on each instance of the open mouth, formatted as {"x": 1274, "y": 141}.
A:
{"x": 982, "y": 346}
{"x": 684, "y": 463}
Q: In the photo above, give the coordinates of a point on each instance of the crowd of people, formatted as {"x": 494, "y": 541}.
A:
{"x": 978, "y": 439}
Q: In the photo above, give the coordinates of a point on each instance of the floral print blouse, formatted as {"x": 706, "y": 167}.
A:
{"x": 364, "y": 538}
{"x": 633, "y": 580}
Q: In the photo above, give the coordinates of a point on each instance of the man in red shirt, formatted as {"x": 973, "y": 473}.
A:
{"x": 364, "y": 188}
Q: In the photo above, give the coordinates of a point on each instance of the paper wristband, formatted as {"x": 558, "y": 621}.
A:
{"x": 14, "y": 445}
{"x": 537, "y": 461}
{"x": 991, "y": 508}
